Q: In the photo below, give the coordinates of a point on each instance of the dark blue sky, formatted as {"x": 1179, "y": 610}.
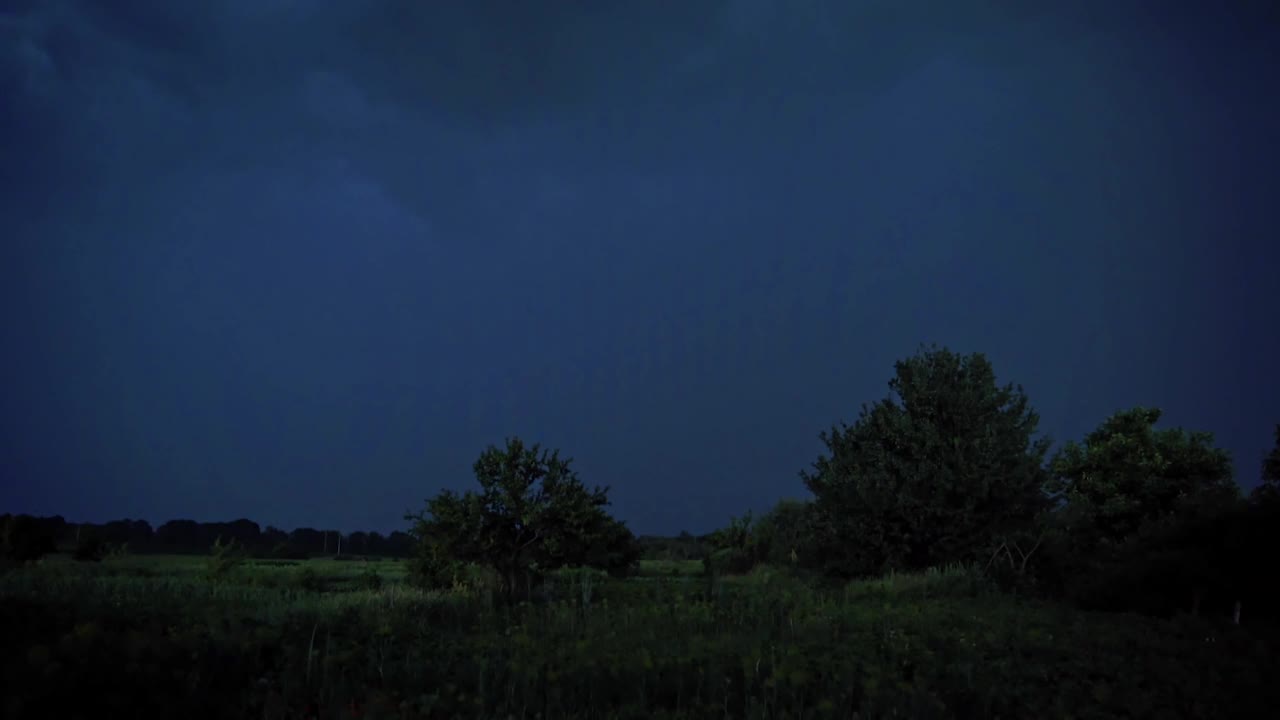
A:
{"x": 302, "y": 261}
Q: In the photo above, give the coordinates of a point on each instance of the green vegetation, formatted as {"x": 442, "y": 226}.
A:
{"x": 940, "y": 476}
{"x": 934, "y": 644}
{"x": 947, "y": 566}
{"x": 532, "y": 514}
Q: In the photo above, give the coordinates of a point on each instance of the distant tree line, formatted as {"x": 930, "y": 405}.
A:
{"x": 948, "y": 469}
{"x": 24, "y": 538}
{"x": 684, "y": 546}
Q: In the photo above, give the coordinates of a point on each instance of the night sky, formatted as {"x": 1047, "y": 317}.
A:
{"x": 301, "y": 261}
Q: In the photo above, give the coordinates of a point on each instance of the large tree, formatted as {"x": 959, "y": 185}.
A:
{"x": 1127, "y": 475}
{"x": 940, "y": 473}
{"x": 532, "y": 513}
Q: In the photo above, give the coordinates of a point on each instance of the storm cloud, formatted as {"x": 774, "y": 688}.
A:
{"x": 301, "y": 261}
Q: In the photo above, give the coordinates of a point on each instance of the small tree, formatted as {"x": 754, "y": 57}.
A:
{"x": 731, "y": 548}
{"x": 937, "y": 476}
{"x": 224, "y": 559}
{"x": 532, "y": 513}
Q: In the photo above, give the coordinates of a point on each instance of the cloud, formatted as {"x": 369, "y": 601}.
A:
{"x": 422, "y": 97}
{"x": 493, "y": 65}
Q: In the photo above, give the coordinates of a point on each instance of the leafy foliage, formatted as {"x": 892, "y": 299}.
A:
{"x": 532, "y": 514}
{"x": 938, "y": 476}
{"x": 1150, "y": 521}
{"x": 736, "y": 535}
{"x": 1126, "y": 475}
{"x": 784, "y": 536}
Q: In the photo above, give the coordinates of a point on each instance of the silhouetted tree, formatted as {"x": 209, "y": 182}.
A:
{"x": 1150, "y": 520}
{"x": 937, "y": 476}
{"x": 784, "y": 535}
{"x": 137, "y": 534}
{"x": 399, "y": 544}
{"x": 181, "y": 536}
{"x": 25, "y": 539}
{"x": 307, "y": 540}
{"x": 358, "y": 543}
{"x": 532, "y": 513}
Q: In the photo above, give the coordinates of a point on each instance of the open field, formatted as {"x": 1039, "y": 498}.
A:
{"x": 158, "y": 636}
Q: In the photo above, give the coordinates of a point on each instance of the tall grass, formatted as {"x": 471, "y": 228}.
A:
{"x": 766, "y": 645}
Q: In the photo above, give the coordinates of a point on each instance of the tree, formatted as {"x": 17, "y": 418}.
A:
{"x": 731, "y": 548}
{"x": 532, "y": 513}
{"x": 307, "y": 540}
{"x": 1127, "y": 475}
{"x": 783, "y": 536}
{"x": 1269, "y": 490}
{"x": 936, "y": 477}
{"x": 25, "y": 539}
{"x": 180, "y": 536}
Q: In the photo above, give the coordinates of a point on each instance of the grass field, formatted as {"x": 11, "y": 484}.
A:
{"x": 171, "y": 636}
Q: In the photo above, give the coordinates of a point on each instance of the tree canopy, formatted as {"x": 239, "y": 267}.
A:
{"x": 532, "y": 513}
{"x": 1127, "y": 474}
{"x": 934, "y": 476}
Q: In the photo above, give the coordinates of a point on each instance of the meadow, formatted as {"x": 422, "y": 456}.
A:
{"x": 153, "y": 636}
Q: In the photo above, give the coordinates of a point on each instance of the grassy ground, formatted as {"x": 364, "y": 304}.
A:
{"x": 170, "y": 636}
